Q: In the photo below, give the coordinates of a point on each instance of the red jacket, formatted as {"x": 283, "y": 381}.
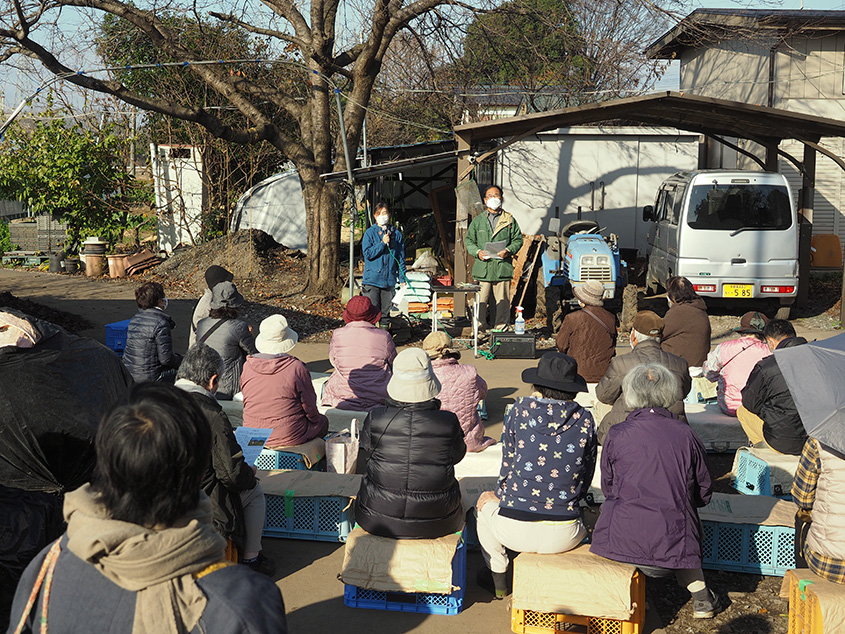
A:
{"x": 278, "y": 394}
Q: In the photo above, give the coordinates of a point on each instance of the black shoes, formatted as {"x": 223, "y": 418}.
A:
{"x": 261, "y": 564}
{"x": 496, "y": 583}
{"x": 709, "y": 608}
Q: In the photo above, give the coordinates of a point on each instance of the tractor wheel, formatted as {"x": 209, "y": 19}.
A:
{"x": 629, "y": 307}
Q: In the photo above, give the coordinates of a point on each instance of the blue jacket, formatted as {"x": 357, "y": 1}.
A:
{"x": 149, "y": 347}
{"x": 380, "y": 267}
{"x": 548, "y": 460}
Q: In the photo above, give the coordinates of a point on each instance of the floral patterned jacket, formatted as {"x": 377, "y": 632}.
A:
{"x": 548, "y": 460}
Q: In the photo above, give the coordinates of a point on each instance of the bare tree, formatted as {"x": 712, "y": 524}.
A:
{"x": 310, "y": 37}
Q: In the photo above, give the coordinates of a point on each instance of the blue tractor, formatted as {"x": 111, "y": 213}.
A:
{"x": 573, "y": 255}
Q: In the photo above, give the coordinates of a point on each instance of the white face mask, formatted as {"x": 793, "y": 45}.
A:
{"x": 166, "y": 302}
{"x": 382, "y": 220}
{"x": 494, "y": 203}
{"x": 669, "y": 301}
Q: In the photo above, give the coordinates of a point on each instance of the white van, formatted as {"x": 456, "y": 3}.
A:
{"x": 733, "y": 234}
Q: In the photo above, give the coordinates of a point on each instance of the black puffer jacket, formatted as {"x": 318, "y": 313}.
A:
{"x": 767, "y": 395}
{"x": 149, "y": 347}
{"x": 227, "y": 474}
{"x": 409, "y": 489}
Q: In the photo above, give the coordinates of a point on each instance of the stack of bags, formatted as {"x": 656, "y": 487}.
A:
{"x": 418, "y": 292}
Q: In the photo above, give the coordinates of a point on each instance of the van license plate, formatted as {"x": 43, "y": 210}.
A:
{"x": 738, "y": 290}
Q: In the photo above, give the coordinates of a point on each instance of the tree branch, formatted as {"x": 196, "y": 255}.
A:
{"x": 292, "y": 39}
{"x": 287, "y": 9}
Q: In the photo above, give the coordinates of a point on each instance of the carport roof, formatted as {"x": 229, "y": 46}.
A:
{"x": 705, "y": 115}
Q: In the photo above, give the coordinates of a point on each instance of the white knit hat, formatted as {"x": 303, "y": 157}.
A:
{"x": 413, "y": 380}
{"x": 275, "y": 336}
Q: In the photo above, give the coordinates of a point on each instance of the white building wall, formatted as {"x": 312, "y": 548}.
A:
{"x": 574, "y": 167}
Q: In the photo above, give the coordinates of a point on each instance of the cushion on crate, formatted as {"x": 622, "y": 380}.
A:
{"x": 830, "y": 596}
{"x": 575, "y": 582}
{"x": 782, "y": 468}
{"x": 719, "y": 432}
{"x": 399, "y": 565}
{"x": 760, "y": 510}
{"x": 310, "y": 483}
{"x": 312, "y": 452}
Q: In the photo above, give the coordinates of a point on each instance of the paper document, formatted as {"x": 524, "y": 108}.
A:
{"x": 252, "y": 441}
{"x": 492, "y": 249}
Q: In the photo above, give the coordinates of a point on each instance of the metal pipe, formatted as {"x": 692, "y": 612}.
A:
{"x": 353, "y": 216}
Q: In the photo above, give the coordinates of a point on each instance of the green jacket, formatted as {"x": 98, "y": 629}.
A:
{"x": 479, "y": 234}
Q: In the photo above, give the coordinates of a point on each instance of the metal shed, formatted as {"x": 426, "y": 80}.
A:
{"x": 714, "y": 118}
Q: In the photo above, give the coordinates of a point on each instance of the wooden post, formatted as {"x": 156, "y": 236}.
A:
{"x": 805, "y": 228}
{"x": 771, "y": 155}
{"x": 461, "y": 225}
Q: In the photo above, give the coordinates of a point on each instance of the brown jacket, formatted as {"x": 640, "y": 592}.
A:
{"x": 687, "y": 331}
{"x": 589, "y": 336}
{"x": 609, "y": 389}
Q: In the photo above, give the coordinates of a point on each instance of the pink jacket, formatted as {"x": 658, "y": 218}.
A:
{"x": 462, "y": 388}
{"x": 362, "y": 356}
{"x": 278, "y": 394}
{"x": 730, "y": 363}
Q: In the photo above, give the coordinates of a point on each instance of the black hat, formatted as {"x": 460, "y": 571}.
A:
{"x": 215, "y": 274}
{"x": 558, "y": 371}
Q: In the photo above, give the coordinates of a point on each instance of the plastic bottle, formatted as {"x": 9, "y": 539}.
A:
{"x": 519, "y": 322}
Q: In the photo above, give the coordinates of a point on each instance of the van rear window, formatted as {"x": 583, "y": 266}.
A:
{"x": 734, "y": 206}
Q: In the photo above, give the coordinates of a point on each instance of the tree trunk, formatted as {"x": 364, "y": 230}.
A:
{"x": 323, "y": 226}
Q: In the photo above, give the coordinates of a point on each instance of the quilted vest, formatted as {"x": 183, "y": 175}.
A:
{"x": 827, "y": 532}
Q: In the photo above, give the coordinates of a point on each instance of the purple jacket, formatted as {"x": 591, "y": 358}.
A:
{"x": 362, "y": 356}
{"x": 654, "y": 477}
{"x": 462, "y": 388}
{"x": 278, "y": 394}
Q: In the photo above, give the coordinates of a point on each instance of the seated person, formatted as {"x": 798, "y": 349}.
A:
{"x": 140, "y": 553}
{"x": 277, "y": 388}
{"x": 237, "y": 499}
{"x": 731, "y": 361}
{"x": 654, "y": 478}
{"x": 362, "y": 356}
{"x": 229, "y": 336}
{"x": 645, "y": 341}
{"x": 589, "y": 335}
{"x": 768, "y": 414}
{"x": 817, "y": 490}
{"x": 149, "y": 352}
{"x": 213, "y": 275}
{"x": 686, "y": 332}
{"x": 462, "y": 389}
{"x": 551, "y": 440}
{"x": 410, "y": 448}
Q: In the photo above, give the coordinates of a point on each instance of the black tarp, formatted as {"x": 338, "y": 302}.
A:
{"x": 52, "y": 397}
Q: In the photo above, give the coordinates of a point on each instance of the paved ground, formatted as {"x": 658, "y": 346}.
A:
{"x": 307, "y": 571}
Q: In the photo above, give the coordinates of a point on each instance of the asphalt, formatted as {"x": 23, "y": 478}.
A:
{"x": 307, "y": 571}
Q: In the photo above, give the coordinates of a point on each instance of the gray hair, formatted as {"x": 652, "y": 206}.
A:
{"x": 200, "y": 364}
{"x": 641, "y": 337}
{"x": 651, "y": 385}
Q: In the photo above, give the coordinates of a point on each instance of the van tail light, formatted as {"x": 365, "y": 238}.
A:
{"x": 777, "y": 289}
{"x": 704, "y": 288}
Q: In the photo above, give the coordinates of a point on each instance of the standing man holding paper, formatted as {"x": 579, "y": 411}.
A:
{"x": 493, "y": 238}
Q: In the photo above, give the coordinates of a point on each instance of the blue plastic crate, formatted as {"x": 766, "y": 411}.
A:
{"x": 765, "y": 550}
{"x": 419, "y": 602}
{"x": 323, "y": 519}
{"x": 271, "y": 459}
{"x": 116, "y": 335}
{"x": 753, "y": 477}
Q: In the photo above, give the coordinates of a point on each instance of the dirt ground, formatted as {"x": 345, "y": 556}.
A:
{"x": 307, "y": 571}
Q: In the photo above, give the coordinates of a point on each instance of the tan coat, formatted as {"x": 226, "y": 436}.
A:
{"x": 609, "y": 389}
{"x": 827, "y": 532}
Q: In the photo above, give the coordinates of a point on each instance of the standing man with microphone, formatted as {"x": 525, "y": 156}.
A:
{"x": 493, "y": 238}
{"x": 384, "y": 259}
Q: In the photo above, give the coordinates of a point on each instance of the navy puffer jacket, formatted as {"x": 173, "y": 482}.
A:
{"x": 409, "y": 489}
{"x": 149, "y": 347}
